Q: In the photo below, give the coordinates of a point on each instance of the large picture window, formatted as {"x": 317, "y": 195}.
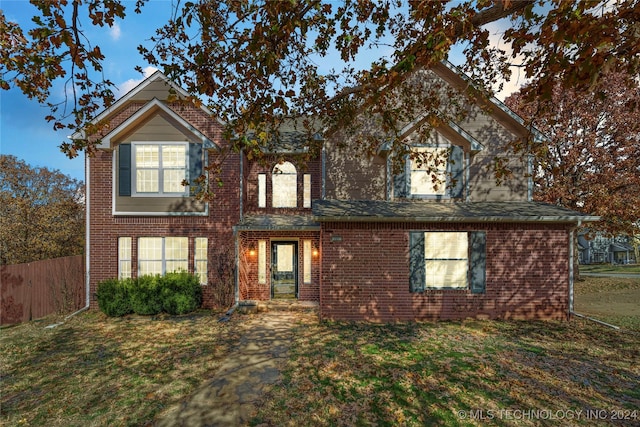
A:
{"x": 160, "y": 255}
{"x": 160, "y": 169}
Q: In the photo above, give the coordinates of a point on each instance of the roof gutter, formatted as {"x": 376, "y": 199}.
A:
{"x": 514, "y": 219}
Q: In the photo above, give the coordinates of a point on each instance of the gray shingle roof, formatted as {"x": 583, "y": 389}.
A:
{"x": 429, "y": 211}
{"x": 278, "y": 222}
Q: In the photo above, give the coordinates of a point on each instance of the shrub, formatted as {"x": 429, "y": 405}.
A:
{"x": 181, "y": 293}
{"x": 145, "y": 295}
{"x": 175, "y": 293}
{"x": 113, "y": 297}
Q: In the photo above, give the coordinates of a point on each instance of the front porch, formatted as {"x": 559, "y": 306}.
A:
{"x": 278, "y": 258}
{"x": 254, "y": 306}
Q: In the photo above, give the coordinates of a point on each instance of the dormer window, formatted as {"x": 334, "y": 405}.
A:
{"x": 428, "y": 167}
{"x": 431, "y": 172}
{"x": 284, "y": 182}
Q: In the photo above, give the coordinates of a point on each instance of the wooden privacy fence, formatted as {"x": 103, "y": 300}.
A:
{"x": 37, "y": 289}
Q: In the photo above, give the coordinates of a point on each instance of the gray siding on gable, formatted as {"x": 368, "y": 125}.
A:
{"x": 155, "y": 129}
{"x": 495, "y": 139}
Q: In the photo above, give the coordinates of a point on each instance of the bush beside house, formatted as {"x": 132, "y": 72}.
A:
{"x": 174, "y": 293}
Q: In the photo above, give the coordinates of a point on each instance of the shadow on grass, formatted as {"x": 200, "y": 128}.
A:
{"x": 98, "y": 371}
{"x": 455, "y": 374}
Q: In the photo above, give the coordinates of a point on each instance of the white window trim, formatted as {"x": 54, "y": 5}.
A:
{"x": 164, "y": 252}
{"x": 201, "y": 274}
{"x": 276, "y": 187}
{"x": 134, "y": 169}
{"x": 124, "y": 240}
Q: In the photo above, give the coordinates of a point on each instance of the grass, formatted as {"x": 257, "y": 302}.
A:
{"x": 97, "y": 371}
{"x": 453, "y": 373}
{"x": 608, "y": 268}
{"x": 610, "y": 299}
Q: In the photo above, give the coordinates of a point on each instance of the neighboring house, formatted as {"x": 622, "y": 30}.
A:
{"x": 340, "y": 229}
{"x": 602, "y": 249}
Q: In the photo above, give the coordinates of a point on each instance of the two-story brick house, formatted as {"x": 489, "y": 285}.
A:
{"x": 342, "y": 230}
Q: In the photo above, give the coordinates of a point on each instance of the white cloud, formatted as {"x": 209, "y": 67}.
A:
{"x": 517, "y": 79}
{"x": 115, "y": 31}
{"x": 131, "y": 83}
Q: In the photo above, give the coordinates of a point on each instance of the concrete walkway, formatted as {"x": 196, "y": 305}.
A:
{"x": 619, "y": 275}
{"x": 228, "y": 399}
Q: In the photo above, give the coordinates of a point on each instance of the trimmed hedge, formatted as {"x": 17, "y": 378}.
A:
{"x": 174, "y": 293}
{"x": 113, "y": 297}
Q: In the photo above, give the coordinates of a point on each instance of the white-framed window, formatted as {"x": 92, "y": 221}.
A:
{"x": 160, "y": 168}
{"x": 124, "y": 257}
{"x": 200, "y": 265}
{"x": 446, "y": 259}
{"x": 428, "y": 169}
{"x": 160, "y": 255}
{"x": 306, "y": 191}
{"x": 262, "y": 261}
{"x": 262, "y": 190}
{"x": 306, "y": 257}
{"x": 284, "y": 180}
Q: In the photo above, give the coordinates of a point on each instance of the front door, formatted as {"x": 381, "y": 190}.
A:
{"x": 284, "y": 267}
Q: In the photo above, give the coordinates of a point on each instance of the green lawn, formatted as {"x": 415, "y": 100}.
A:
{"x": 96, "y": 371}
{"x": 608, "y": 268}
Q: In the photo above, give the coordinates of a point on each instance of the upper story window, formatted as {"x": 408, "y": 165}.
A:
{"x": 158, "y": 169}
{"x": 428, "y": 171}
{"x": 284, "y": 182}
{"x": 432, "y": 172}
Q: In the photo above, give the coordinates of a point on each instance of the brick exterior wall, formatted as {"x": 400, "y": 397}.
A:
{"x": 105, "y": 228}
{"x": 527, "y": 274}
{"x": 265, "y": 166}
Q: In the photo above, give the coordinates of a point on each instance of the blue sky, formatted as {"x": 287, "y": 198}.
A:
{"x": 25, "y": 133}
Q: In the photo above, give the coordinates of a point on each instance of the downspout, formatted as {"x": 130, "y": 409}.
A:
{"x": 236, "y": 241}
{"x": 324, "y": 172}
{"x": 236, "y": 234}
{"x": 571, "y": 272}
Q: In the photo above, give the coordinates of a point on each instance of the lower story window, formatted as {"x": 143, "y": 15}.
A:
{"x": 160, "y": 255}
{"x": 200, "y": 259}
{"x": 124, "y": 258}
{"x": 447, "y": 260}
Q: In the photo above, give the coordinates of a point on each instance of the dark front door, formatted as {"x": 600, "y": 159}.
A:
{"x": 284, "y": 267}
